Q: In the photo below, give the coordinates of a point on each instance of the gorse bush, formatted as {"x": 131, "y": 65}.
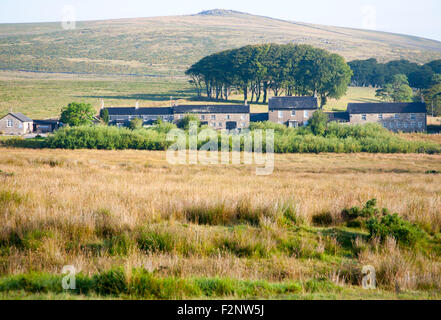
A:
{"x": 383, "y": 224}
{"x": 391, "y": 225}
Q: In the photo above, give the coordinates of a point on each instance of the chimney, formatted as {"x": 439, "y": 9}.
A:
{"x": 137, "y": 105}
{"x": 102, "y": 104}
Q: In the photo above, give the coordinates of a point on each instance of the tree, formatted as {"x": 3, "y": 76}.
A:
{"x": 396, "y": 91}
{"x": 435, "y": 66}
{"x": 136, "y": 123}
{"x": 421, "y": 79}
{"x": 318, "y": 122}
{"x": 77, "y": 114}
{"x": 184, "y": 123}
{"x": 334, "y": 80}
{"x": 104, "y": 115}
{"x": 432, "y": 96}
{"x": 295, "y": 69}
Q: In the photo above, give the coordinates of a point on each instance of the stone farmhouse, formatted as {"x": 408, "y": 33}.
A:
{"x": 216, "y": 116}
{"x": 122, "y": 116}
{"x": 405, "y": 117}
{"x": 16, "y": 123}
{"x": 292, "y": 111}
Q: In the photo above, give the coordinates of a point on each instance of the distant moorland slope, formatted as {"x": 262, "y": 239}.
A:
{"x": 168, "y": 45}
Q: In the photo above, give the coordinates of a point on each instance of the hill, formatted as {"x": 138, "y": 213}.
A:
{"x": 166, "y": 46}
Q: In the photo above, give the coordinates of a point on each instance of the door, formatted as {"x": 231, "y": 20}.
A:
{"x": 231, "y": 125}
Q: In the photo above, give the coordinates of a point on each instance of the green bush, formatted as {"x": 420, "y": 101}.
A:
{"x": 391, "y": 225}
{"x": 336, "y": 138}
{"x": 368, "y": 211}
{"x": 108, "y": 138}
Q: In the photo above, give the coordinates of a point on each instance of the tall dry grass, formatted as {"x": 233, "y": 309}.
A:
{"x": 100, "y": 209}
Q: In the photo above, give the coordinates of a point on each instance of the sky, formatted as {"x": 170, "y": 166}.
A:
{"x": 420, "y": 18}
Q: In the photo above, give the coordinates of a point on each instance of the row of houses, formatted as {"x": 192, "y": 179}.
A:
{"x": 216, "y": 116}
{"x": 405, "y": 117}
{"x": 289, "y": 111}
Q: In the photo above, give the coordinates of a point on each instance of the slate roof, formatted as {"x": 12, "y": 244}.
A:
{"x": 20, "y": 116}
{"x": 182, "y": 109}
{"x": 46, "y": 122}
{"x": 407, "y": 107}
{"x": 139, "y": 111}
{"x": 293, "y": 103}
{"x": 259, "y": 117}
{"x": 338, "y": 116}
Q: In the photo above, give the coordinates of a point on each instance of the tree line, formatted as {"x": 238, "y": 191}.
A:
{"x": 255, "y": 70}
{"x": 371, "y": 73}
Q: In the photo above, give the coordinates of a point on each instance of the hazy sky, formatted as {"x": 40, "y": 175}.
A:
{"x": 421, "y": 17}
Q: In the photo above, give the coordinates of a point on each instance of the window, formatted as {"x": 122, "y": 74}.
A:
{"x": 243, "y": 124}
{"x": 220, "y": 124}
{"x": 391, "y": 125}
{"x": 305, "y": 123}
{"x": 9, "y": 125}
{"x": 405, "y": 125}
{"x": 397, "y": 116}
{"x": 293, "y": 113}
{"x": 398, "y": 124}
{"x": 202, "y": 117}
{"x": 213, "y": 117}
{"x": 306, "y": 114}
{"x": 213, "y": 124}
{"x": 385, "y": 124}
{"x": 412, "y": 116}
{"x": 412, "y": 124}
{"x": 228, "y": 117}
{"x": 20, "y": 125}
{"x": 420, "y": 124}
{"x": 380, "y": 116}
{"x": 242, "y": 117}
{"x": 363, "y": 117}
{"x": 280, "y": 114}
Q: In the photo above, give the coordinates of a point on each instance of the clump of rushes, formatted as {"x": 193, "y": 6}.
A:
{"x": 221, "y": 214}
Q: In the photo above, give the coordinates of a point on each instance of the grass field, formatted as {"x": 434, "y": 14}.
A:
{"x": 212, "y": 231}
{"x": 40, "y": 96}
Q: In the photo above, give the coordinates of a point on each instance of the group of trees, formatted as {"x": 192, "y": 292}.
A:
{"x": 398, "y": 90}
{"x": 257, "y": 69}
{"x": 399, "y": 80}
{"x": 371, "y": 73}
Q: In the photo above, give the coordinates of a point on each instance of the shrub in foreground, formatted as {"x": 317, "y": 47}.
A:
{"x": 392, "y": 225}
